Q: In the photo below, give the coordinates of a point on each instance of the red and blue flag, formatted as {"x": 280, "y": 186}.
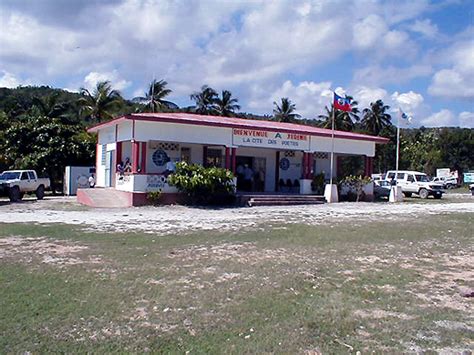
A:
{"x": 342, "y": 103}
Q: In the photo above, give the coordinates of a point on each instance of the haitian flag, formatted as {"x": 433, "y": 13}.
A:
{"x": 342, "y": 103}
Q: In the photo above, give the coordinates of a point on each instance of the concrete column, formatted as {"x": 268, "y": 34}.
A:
{"x": 234, "y": 159}
{"x": 204, "y": 156}
{"x": 227, "y": 158}
{"x": 135, "y": 156}
{"x": 304, "y": 166}
{"x": 118, "y": 153}
{"x": 143, "y": 160}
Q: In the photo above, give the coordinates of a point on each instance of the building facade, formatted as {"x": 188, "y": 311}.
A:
{"x": 280, "y": 156}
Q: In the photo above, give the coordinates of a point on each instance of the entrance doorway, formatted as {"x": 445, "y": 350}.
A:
{"x": 250, "y": 173}
{"x": 109, "y": 170}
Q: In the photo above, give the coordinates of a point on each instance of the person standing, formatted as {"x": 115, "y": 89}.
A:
{"x": 248, "y": 177}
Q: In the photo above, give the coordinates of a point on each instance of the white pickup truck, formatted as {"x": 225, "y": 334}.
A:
{"x": 15, "y": 183}
{"x": 414, "y": 182}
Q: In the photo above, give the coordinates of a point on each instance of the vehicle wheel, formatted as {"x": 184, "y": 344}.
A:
{"x": 437, "y": 196}
{"x": 14, "y": 194}
{"x": 423, "y": 193}
{"x": 407, "y": 194}
{"x": 40, "y": 192}
{"x": 450, "y": 186}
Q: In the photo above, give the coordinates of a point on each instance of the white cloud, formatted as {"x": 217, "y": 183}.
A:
{"x": 424, "y": 27}
{"x": 466, "y": 119}
{"x": 91, "y": 80}
{"x": 455, "y": 82}
{"x": 412, "y": 103}
{"x": 375, "y": 75}
{"x": 365, "y": 95}
{"x": 309, "y": 97}
{"x": 249, "y": 47}
{"x": 442, "y": 118}
{"x": 368, "y": 31}
{"x": 8, "y": 80}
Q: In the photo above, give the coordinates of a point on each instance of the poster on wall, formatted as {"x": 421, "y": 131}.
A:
{"x": 269, "y": 139}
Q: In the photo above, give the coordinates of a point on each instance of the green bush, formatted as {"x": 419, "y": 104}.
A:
{"x": 154, "y": 197}
{"x": 204, "y": 185}
{"x": 317, "y": 185}
{"x": 356, "y": 186}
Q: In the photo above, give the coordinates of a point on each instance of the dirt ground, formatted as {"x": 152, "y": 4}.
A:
{"x": 165, "y": 220}
{"x": 371, "y": 278}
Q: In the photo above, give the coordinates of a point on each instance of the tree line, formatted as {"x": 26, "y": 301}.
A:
{"x": 45, "y": 128}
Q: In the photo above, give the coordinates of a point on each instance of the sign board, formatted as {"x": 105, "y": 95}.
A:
{"x": 443, "y": 172}
{"x": 77, "y": 177}
{"x": 270, "y": 139}
{"x": 468, "y": 178}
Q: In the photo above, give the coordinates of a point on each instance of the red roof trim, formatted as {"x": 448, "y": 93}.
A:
{"x": 232, "y": 122}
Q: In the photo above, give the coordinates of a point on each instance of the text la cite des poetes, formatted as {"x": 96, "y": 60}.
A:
{"x": 269, "y": 138}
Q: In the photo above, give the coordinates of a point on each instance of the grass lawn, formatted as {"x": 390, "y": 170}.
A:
{"x": 380, "y": 287}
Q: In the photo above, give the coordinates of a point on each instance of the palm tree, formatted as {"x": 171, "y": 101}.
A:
{"x": 375, "y": 118}
{"x": 154, "y": 98}
{"x": 205, "y": 100}
{"x": 285, "y": 112}
{"x": 344, "y": 121}
{"x": 226, "y": 105}
{"x": 97, "y": 106}
{"x": 49, "y": 106}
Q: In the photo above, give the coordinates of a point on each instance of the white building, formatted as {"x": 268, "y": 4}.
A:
{"x": 279, "y": 154}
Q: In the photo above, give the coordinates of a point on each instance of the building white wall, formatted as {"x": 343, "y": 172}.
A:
{"x": 172, "y": 132}
{"x": 174, "y": 155}
{"x": 125, "y": 130}
{"x": 101, "y": 168}
{"x": 344, "y": 146}
{"x": 106, "y": 135}
{"x": 296, "y": 166}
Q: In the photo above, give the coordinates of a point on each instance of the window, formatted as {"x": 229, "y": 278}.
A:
{"x": 214, "y": 158}
{"x": 390, "y": 176}
{"x": 31, "y": 175}
{"x": 421, "y": 178}
{"x": 400, "y": 176}
{"x": 104, "y": 154}
{"x": 186, "y": 155}
{"x": 24, "y": 176}
{"x": 411, "y": 178}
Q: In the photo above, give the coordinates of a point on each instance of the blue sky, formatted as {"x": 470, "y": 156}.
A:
{"x": 417, "y": 55}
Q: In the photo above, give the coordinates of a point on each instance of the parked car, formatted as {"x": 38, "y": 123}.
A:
{"x": 382, "y": 188}
{"x": 414, "y": 182}
{"x": 449, "y": 182}
{"x": 15, "y": 183}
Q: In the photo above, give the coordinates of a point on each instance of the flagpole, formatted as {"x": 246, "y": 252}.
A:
{"x": 398, "y": 141}
{"x": 332, "y": 144}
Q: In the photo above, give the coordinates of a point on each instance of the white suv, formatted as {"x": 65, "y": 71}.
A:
{"x": 414, "y": 182}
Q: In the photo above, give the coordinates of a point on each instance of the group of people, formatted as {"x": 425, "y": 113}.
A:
{"x": 124, "y": 167}
{"x": 248, "y": 180}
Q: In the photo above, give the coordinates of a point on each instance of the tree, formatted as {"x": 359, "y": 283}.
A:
{"x": 285, "y": 112}
{"x": 205, "y": 100}
{"x": 154, "y": 98}
{"x": 98, "y": 106}
{"x": 343, "y": 121}
{"x": 375, "y": 118}
{"x": 50, "y": 106}
{"x": 226, "y": 106}
{"x": 47, "y": 145}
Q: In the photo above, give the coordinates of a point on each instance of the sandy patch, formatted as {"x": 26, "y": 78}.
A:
{"x": 380, "y": 314}
{"x": 48, "y": 251}
{"x": 180, "y": 219}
